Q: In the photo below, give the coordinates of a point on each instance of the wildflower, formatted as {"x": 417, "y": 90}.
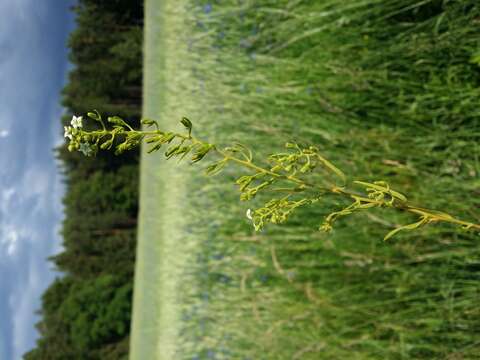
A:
{"x": 68, "y": 132}
{"x": 290, "y": 275}
{"x": 207, "y": 9}
{"x": 249, "y": 214}
{"x": 76, "y": 122}
{"x": 86, "y": 149}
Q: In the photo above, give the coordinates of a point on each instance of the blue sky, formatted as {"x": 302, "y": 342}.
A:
{"x": 33, "y": 67}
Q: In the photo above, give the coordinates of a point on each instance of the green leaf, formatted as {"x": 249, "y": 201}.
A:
{"x": 153, "y": 139}
{"x": 369, "y": 185}
{"x": 475, "y": 59}
{"x": 332, "y": 168}
{"x": 184, "y": 150}
{"x": 247, "y": 153}
{"x": 405, "y": 227}
{"x": 95, "y": 115}
{"x": 149, "y": 122}
{"x": 384, "y": 189}
{"x": 116, "y": 120}
{"x": 188, "y": 124}
{"x": 215, "y": 168}
{"x": 154, "y": 148}
{"x": 168, "y": 137}
{"x": 106, "y": 145}
{"x": 171, "y": 151}
{"x": 398, "y": 195}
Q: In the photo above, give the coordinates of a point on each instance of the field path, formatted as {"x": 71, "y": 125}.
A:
{"x": 155, "y": 314}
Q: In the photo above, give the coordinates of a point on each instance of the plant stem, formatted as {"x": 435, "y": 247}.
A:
{"x": 432, "y": 215}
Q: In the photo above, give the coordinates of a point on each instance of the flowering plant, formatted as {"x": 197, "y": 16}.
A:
{"x": 286, "y": 173}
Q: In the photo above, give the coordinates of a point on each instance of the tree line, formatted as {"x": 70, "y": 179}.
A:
{"x": 85, "y": 313}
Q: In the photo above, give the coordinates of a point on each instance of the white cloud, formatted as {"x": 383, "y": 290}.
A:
{"x": 36, "y": 180}
{"x": 12, "y": 242}
{"x": 6, "y": 203}
{"x": 28, "y": 192}
{"x": 22, "y": 301}
{"x": 11, "y": 238}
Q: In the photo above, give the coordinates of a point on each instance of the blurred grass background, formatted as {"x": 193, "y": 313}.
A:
{"x": 389, "y": 91}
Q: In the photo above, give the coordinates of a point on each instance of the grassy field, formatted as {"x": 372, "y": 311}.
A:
{"x": 389, "y": 90}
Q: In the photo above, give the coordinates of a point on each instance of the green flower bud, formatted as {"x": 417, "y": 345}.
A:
{"x": 149, "y": 122}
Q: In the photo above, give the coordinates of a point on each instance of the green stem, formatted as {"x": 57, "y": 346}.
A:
{"x": 430, "y": 215}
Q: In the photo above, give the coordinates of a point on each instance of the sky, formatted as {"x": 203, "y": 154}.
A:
{"x": 33, "y": 70}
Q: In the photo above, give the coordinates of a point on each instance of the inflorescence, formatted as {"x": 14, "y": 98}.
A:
{"x": 285, "y": 174}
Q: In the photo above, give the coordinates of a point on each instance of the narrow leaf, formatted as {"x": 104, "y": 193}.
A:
{"x": 332, "y": 168}
{"x": 405, "y": 227}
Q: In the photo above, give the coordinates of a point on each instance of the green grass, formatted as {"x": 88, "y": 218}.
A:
{"x": 145, "y": 330}
{"x": 389, "y": 90}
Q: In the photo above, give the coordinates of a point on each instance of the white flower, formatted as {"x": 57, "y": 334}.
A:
{"x": 76, "y": 122}
{"x": 249, "y": 214}
{"x": 86, "y": 149}
{"x": 68, "y": 132}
